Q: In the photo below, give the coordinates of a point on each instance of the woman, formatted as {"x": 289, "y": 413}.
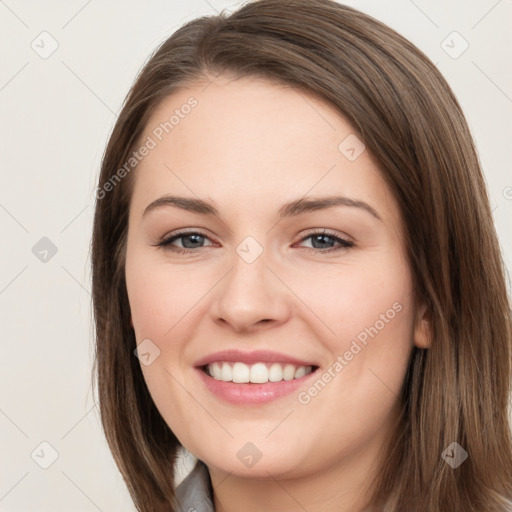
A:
{"x": 296, "y": 276}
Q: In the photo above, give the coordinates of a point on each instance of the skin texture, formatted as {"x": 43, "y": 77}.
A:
{"x": 250, "y": 146}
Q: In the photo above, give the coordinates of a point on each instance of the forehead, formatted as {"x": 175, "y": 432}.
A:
{"x": 266, "y": 142}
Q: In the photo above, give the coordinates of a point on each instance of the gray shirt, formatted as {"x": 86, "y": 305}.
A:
{"x": 195, "y": 494}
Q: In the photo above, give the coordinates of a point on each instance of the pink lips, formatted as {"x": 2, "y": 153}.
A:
{"x": 249, "y": 393}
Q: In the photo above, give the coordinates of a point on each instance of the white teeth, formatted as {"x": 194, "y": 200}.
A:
{"x": 275, "y": 373}
{"x": 258, "y": 373}
{"x": 300, "y": 372}
{"x": 226, "y": 373}
{"x": 216, "y": 371}
{"x": 289, "y": 372}
{"x": 241, "y": 373}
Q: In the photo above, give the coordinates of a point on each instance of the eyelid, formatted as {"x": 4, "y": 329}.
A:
{"x": 325, "y": 231}
{"x": 343, "y": 241}
{"x": 167, "y": 239}
{"x": 185, "y": 231}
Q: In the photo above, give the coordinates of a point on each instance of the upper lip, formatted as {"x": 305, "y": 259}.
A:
{"x": 256, "y": 356}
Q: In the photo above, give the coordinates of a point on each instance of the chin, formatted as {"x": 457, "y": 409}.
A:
{"x": 255, "y": 460}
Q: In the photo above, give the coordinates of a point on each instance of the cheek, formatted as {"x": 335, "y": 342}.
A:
{"x": 358, "y": 300}
{"x": 161, "y": 296}
{"x": 369, "y": 316}
{"x": 356, "y": 397}
{"x": 162, "y": 303}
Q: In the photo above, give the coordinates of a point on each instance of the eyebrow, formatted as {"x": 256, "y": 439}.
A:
{"x": 291, "y": 209}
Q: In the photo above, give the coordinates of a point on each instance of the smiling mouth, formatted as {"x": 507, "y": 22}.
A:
{"x": 258, "y": 373}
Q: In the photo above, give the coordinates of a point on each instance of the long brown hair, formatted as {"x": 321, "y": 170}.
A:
{"x": 410, "y": 121}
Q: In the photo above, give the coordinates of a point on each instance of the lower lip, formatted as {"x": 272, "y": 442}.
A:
{"x": 249, "y": 393}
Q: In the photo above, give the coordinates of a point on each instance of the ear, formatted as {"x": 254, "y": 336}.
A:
{"x": 423, "y": 327}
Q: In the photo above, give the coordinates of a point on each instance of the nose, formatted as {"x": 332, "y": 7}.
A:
{"x": 251, "y": 297}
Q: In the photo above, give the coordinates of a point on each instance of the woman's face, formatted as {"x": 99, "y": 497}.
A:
{"x": 312, "y": 302}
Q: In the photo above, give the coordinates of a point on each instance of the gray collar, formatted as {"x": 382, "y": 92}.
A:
{"x": 194, "y": 494}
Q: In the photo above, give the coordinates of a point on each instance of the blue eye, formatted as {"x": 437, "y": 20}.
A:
{"x": 192, "y": 241}
{"x": 321, "y": 238}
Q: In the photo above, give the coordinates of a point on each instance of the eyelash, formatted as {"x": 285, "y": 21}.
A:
{"x": 166, "y": 243}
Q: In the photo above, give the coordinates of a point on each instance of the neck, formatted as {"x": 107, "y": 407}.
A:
{"x": 341, "y": 487}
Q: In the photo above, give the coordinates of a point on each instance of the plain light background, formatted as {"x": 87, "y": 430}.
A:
{"x": 56, "y": 114}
